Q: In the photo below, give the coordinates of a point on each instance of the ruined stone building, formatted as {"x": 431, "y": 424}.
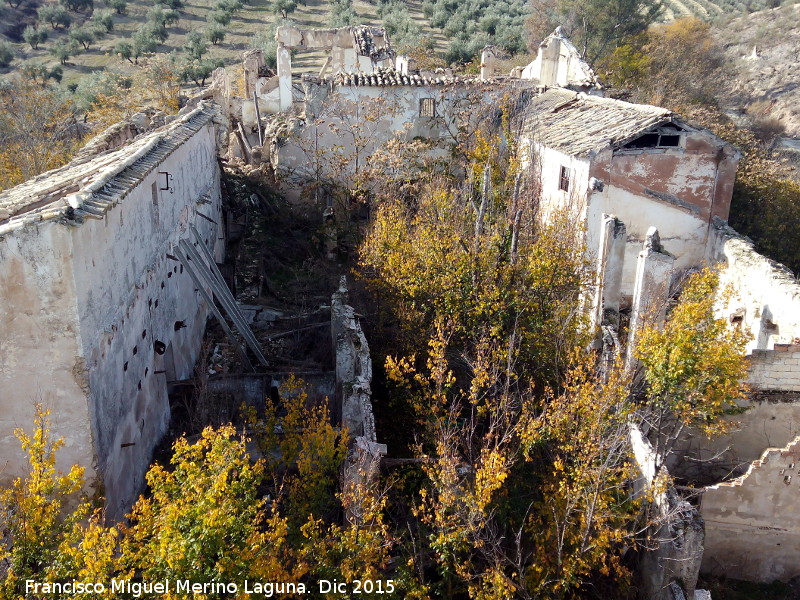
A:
{"x": 96, "y": 312}
{"x": 99, "y": 310}
{"x": 598, "y": 156}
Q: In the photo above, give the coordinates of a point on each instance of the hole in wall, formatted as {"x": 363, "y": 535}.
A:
{"x": 181, "y": 268}
{"x": 169, "y": 274}
{"x": 139, "y": 385}
{"x": 162, "y": 287}
{"x": 156, "y": 304}
{"x": 135, "y": 350}
{"x": 179, "y": 325}
{"x": 159, "y": 347}
{"x": 144, "y": 333}
{"x": 146, "y": 371}
{"x": 125, "y": 367}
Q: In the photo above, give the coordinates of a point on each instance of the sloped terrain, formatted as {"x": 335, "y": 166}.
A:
{"x": 255, "y": 19}
{"x": 714, "y": 9}
{"x": 763, "y": 51}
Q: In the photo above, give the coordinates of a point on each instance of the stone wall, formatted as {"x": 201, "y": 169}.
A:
{"x": 353, "y": 368}
{"x": 777, "y": 369}
{"x": 676, "y": 533}
{"x": 763, "y": 296}
{"x": 97, "y": 313}
{"x": 150, "y": 300}
{"x": 354, "y": 400}
{"x": 345, "y": 127}
{"x": 752, "y": 522}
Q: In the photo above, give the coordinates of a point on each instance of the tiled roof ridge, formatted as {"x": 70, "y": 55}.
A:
{"x": 392, "y": 77}
{"x": 101, "y": 182}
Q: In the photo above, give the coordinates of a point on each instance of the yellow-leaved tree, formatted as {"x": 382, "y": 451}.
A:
{"x": 694, "y": 366}
{"x": 39, "y": 511}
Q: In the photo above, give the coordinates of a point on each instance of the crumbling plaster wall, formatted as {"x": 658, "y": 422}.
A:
{"x": 544, "y": 164}
{"x": 558, "y": 63}
{"x": 766, "y": 422}
{"x": 41, "y": 355}
{"x": 678, "y": 190}
{"x": 376, "y": 115}
{"x": 762, "y": 295}
{"x": 130, "y": 295}
{"x": 752, "y": 523}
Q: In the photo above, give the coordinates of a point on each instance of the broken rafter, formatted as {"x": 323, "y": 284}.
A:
{"x": 299, "y": 329}
{"x": 213, "y": 308}
{"x": 223, "y": 294}
{"x": 258, "y": 120}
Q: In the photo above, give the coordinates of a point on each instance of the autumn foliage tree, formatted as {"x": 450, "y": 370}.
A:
{"x": 596, "y": 27}
{"x": 202, "y": 520}
{"x": 38, "y": 511}
{"x": 693, "y": 366}
{"x": 36, "y": 130}
{"x": 214, "y": 514}
{"x": 677, "y": 63}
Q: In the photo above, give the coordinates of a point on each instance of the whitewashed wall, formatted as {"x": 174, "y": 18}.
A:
{"x": 41, "y": 355}
{"x": 82, "y": 308}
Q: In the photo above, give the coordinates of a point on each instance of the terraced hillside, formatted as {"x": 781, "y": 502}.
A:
{"x": 713, "y": 9}
{"x": 254, "y": 19}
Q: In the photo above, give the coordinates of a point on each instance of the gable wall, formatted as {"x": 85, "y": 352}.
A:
{"x": 41, "y": 357}
{"x": 677, "y": 190}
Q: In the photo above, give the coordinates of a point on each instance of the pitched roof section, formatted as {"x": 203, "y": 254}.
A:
{"x": 577, "y": 124}
{"x": 91, "y": 186}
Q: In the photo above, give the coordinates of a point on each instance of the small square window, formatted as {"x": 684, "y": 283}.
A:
{"x": 427, "y": 107}
{"x": 563, "y": 180}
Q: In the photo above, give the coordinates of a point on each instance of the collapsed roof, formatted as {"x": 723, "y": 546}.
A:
{"x": 578, "y": 124}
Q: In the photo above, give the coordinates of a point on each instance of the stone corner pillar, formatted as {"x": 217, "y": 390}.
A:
{"x": 284, "y": 59}
{"x": 650, "y": 291}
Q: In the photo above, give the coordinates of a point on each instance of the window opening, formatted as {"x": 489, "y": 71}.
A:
{"x": 563, "y": 179}
{"x": 427, "y": 107}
